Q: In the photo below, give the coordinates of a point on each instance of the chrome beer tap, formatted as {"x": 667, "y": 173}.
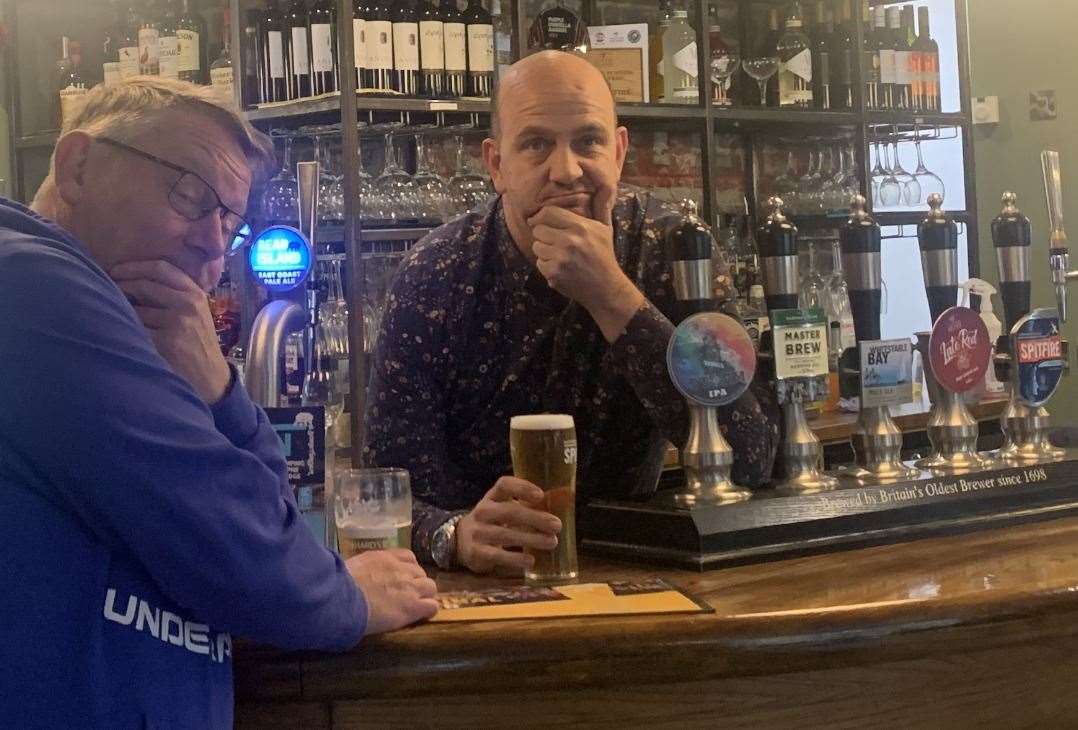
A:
{"x": 706, "y": 457}
{"x": 1058, "y": 254}
{"x": 800, "y": 453}
{"x": 877, "y": 441}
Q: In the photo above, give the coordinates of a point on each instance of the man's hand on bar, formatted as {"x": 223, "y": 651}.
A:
{"x": 176, "y": 312}
{"x": 397, "y": 590}
{"x": 506, "y": 517}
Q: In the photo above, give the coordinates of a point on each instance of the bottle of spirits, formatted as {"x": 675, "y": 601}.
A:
{"x": 456, "y": 49}
{"x": 168, "y": 42}
{"x": 431, "y": 50}
{"x": 900, "y": 91}
{"x": 844, "y": 55}
{"x": 406, "y": 47}
{"x": 871, "y": 58}
{"x": 323, "y": 35}
{"x": 480, "y": 31}
{"x": 930, "y": 63}
{"x": 724, "y": 59}
{"x": 190, "y": 45}
{"x": 110, "y": 45}
{"x": 250, "y": 51}
{"x": 68, "y": 84}
{"x": 128, "y": 51}
{"x": 769, "y": 47}
{"x": 272, "y": 58}
{"x": 359, "y": 42}
{"x": 149, "y": 34}
{"x": 885, "y": 49}
{"x": 680, "y": 65}
{"x": 380, "y": 45}
{"x": 221, "y": 75}
{"x": 795, "y": 55}
{"x": 821, "y": 56}
{"x": 299, "y": 49}
{"x": 655, "y": 50}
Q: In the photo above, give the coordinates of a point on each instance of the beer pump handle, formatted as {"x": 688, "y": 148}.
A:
{"x": 689, "y": 248}
{"x": 1058, "y": 254}
{"x": 860, "y": 240}
{"x": 1013, "y": 238}
{"x": 937, "y": 236}
{"x": 777, "y": 241}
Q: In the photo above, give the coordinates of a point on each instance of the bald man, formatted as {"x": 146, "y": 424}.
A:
{"x": 554, "y": 297}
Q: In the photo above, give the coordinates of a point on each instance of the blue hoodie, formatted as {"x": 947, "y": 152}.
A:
{"x": 139, "y": 528}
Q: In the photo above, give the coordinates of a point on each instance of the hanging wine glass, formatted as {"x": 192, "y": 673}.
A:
{"x": 432, "y": 189}
{"x": 930, "y": 182}
{"x": 467, "y": 188}
{"x": 369, "y": 205}
{"x": 398, "y": 190}
{"x": 813, "y": 287}
{"x": 890, "y": 187}
{"x": 279, "y": 201}
{"x": 330, "y": 185}
{"x": 911, "y": 189}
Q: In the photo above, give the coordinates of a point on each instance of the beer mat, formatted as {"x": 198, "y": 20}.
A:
{"x": 614, "y": 598}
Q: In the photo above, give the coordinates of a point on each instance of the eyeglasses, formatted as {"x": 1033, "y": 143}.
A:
{"x": 194, "y": 198}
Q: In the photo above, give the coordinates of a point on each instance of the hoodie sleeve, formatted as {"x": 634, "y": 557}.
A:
{"x": 102, "y": 426}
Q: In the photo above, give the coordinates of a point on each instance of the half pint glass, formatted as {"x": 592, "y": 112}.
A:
{"x": 544, "y": 453}
{"x": 373, "y": 510}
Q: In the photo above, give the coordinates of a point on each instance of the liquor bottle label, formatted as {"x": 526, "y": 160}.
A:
{"x": 301, "y": 63}
{"x": 112, "y": 72}
{"x": 222, "y": 78}
{"x": 480, "y": 48}
{"x": 168, "y": 52}
{"x": 845, "y": 67}
{"x": 685, "y": 60}
{"x": 800, "y": 65}
{"x": 795, "y": 80}
{"x": 872, "y": 67}
{"x": 187, "y": 49}
{"x": 322, "y": 47}
{"x": 406, "y": 46}
{"x": 129, "y": 62}
{"x": 456, "y": 47}
{"x": 902, "y": 68}
{"x": 359, "y": 42}
{"x": 887, "y": 66}
{"x": 380, "y": 43}
{"x": 275, "y": 51}
{"x": 432, "y": 45}
{"x": 149, "y": 60}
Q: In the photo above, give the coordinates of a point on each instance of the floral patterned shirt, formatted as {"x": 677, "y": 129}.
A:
{"x": 473, "y": 335}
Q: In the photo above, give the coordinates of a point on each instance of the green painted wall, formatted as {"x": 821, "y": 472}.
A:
{"x": 1017, "y": 48}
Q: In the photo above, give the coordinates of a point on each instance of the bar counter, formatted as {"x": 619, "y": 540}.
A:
{"x": 979, "y": 629}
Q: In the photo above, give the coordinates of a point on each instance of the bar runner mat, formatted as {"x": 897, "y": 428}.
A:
{"x": 615, "y": 598}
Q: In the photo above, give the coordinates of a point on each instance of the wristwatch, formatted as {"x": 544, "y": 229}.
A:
{"x": 443, "y": 546}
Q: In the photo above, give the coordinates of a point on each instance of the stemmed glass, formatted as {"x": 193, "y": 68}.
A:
{"x": 433, "y": 195}
{"x": 813, "y": 287}
{"x": 369, "y": 203}
{"x": 911, "y": 189}
{"x": 761, "y": 69}
{"x": 724, "y": 64}
{"x": 877, "y": 172}
{"x": 279, "y": 202}
{"x": 399, "y": 192}
{"x": 330, "y": 185}
{"x": 890, "y": 187}
{"x": 930, "y": 182}
{"x": 467, "y": 189}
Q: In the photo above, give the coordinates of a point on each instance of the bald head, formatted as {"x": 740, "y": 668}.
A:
{"x": 554, "y": 75}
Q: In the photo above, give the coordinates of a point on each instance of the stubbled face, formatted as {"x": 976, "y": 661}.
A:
{"x": 124, "y": 214}
{"x": 559, "y": 142}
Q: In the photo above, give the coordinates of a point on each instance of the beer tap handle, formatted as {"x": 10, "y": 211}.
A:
{"x": 1058, "y": 254}
{"x": 1012, "y": 237}
{"x": 777, "y": 240}
{"x": 937, "y": 236}
{"x": 860, "y": 240}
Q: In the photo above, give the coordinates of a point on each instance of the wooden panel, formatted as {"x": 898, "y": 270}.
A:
{"x": 282, "y": 716}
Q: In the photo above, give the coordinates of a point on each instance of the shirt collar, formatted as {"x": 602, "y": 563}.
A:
{"x": 518, "y": 269}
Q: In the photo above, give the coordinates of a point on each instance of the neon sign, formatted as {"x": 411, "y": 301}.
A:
{"x": 280, "y": 258}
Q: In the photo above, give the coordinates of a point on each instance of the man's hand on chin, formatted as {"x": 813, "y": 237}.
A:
{"x": 576, "y": 255}
{"x": 176, "y": 312}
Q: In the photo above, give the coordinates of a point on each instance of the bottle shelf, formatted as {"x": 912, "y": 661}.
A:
{"x": 332, "y": 102}
{"x": 909, "y": 117}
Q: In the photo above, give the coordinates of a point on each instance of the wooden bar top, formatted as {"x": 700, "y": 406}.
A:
{"x": 979, "y": 629}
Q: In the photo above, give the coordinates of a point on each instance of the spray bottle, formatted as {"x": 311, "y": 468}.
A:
{"x": 983, "y": 292}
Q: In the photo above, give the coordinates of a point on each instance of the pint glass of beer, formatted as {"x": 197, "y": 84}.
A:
{"x": 544, "y": 453}
{"x": 373, "y": 510}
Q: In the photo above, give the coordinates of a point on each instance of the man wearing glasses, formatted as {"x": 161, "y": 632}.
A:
{"x": 144, "y": 506}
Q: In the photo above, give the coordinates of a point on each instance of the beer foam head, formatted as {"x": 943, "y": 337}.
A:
{"x": 541, "y": 422}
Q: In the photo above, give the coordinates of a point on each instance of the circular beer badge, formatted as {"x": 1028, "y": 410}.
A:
{"x": 711, "y": 359}
{"x": 959, "y": 350}
{"x": 1038, "y": 355}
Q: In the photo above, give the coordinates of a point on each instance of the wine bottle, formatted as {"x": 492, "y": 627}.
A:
{"x": 821, "y": 56}
{"x": 769, "y": 47}
{"x": 380, "y": 45}
{"x": 149, "y": 33}
{"x": 795, "y": 57}
{"x": 190, "y": 46}
{"x": 221, "y": 75}
{"x": 323, "y": 35}
{"x": 359, "y": 42}
{"x": 900, "y": 92}
{"x": 274, "y": 71}
{"x": 168, "y": 51}
{"x": 723, "y": 89}
{"x": 885, "y": 51}
{"x": 110, "y": 45}
{"x": 480, "y": 31}
{"x": 250, "y": 51}
{"x": 655, "y": 50}
{"x": 930, "y": 63}
{"x": 406, "y": 47}
{"x": 843, "y": 57}
{"x": 431, "y": 50}
{"x": 680, "y": 65}
{"x": 128, "y": 51}
{"x": 456, "y": 49}
{"x": 299, "y": 50}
